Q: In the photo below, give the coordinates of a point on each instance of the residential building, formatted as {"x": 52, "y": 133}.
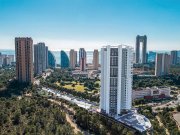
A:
{"x": 79, "y": 74}
{"x": 24, "y": 59}
{"x": 73, "y": 58}
{"x": 40, "y": 58}
{"x": 64, "y": 60}
{"x": 151, "y": 56}
{"x": 134, "y": 57}
{"x": 141, "y": 58}
{"x": 162, "y": 64}
{"x": 51, "y": 60}
{"x": 116, "y": 79}
{"x": 83, "y": 64}
{"x": 11, "y": 58}
{"x": 82, "y": 59}
{"x": 178, "y": 58}
{"x": 174, "y": 57}
{"x": 6, "y": 60}
{"x": 47, "y": 57}
{"x": 1, "y": 61}
{"x": 96, "y": 59}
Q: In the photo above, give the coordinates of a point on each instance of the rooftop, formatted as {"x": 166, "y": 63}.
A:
{"x": 135, "y": 120}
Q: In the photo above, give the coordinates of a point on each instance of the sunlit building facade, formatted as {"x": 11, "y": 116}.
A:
{"x": 24, "y": 59}
{"x": 82, "y": 59}
{"x": 116, "y": 79}
{"x": 96, "y": 59}
{"x": 162, "y": 64}
{"x": 73, "y": 58}
{"x": 40, "y": 58}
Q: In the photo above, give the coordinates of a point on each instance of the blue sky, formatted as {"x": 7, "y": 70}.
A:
{"x": 65, "y": 24}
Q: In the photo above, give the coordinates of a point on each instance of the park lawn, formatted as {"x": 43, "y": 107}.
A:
{"x": 66, "y": 82}
{"x": 79, "y": 88}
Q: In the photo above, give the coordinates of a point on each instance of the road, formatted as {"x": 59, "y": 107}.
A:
{"x": 80, "y": 102}
{"x": 44, "y": 76}
{"x": 170, "y": 104}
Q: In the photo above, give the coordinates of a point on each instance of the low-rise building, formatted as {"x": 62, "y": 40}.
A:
{"x": 79, "y": 74}
{"x": 150, "y": 93}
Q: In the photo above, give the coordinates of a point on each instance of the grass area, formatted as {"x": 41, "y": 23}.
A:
{"x": 79, "y": 87}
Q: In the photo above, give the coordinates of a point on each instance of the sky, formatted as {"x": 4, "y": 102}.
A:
{"x": 66, "y": 24}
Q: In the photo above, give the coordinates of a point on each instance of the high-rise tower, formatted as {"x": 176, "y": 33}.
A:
{"x": 143, "y": 58}
{"x": 24, "y": 59}
{"x": 51, "y": 60}
{"x": 96, "y": 59}
{"x": 82, "y": 59}
{"x": 73, "y": 58}
{"x": 64, "y": 60}
{"x": 162, "y": 64}
{"x": 116, "y": 79}
{"x": 40, "y": 58}
{"x": 174, "y": 57}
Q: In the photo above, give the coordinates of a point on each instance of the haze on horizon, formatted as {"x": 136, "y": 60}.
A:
{"x": 66, "y": 24}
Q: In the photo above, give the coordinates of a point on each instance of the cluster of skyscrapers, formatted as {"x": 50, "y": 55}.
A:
{"x": 25, "y": 69}
{"x": 73, "y": 62}
{"x": 116, "y": 68}
{"x": 116, "y": 73}
{"x": 163, "y": 61}
{"x": 28, "y": 66}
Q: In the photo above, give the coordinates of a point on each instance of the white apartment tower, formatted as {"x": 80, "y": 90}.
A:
{"x": 116, "y": 79}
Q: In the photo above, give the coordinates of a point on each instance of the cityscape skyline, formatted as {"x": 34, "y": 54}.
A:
{"x": 76, "y": 24}
{"x": 102, "y": 67}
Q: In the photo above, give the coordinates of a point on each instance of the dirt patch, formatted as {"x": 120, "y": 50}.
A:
{"x": 177, "y": 118}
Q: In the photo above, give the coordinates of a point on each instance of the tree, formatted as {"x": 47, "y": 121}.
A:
{"x": 3, "y": 118}
{"x": 73, "y": 85}
{"x": 16, "y": 118}
{"x": 178, "y": 108}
